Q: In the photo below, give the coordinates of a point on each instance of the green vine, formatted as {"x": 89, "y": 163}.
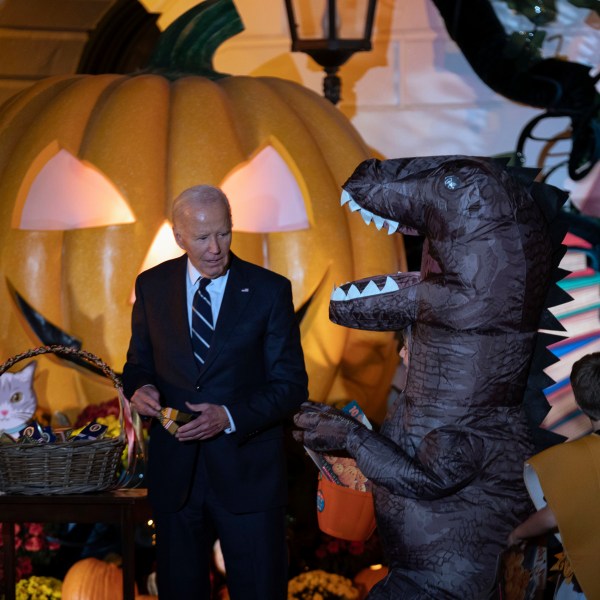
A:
{"x": 188, "y": 45}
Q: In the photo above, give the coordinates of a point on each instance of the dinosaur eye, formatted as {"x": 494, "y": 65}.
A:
{"x": 451, "y": 182}
{"x": 16, "y": 397}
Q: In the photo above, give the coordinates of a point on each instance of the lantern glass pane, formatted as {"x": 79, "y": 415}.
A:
{"x": 352, "y": 17}
{"x": 312, "y": 18}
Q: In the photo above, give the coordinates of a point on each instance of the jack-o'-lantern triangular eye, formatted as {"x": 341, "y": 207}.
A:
{"x": 63, "y": 193}
{"x": 266, "y": 193}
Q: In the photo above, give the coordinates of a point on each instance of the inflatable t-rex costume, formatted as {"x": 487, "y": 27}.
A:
{"x": 447, "y": 464}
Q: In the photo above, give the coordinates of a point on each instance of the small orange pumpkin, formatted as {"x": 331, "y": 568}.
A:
{"x": 94, "y": 579}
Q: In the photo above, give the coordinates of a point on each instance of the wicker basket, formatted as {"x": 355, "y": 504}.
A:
{"x": 69, "y": 467}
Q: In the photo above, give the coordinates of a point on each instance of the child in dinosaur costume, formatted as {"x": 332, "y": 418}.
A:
{"x": 447, "y": 462}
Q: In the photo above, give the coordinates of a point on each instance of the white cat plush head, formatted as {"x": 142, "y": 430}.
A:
{"x": 18, "y": 401}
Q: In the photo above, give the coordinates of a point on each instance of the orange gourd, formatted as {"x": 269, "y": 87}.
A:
{"x": 151, "y": 135}
{"x": 93, "y": 579}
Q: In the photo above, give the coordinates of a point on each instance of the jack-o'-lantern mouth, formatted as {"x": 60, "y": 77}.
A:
{"x": 47, "y": 333}
{"x": 50, "y": 334}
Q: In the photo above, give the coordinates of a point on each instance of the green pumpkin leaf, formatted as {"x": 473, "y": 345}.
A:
{"x": 188, "y": 45}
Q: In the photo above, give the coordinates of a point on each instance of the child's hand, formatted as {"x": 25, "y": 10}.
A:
{"x": 514, "y": 539}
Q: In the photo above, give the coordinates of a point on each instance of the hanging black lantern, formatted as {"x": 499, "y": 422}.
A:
{"x": 326, "y": 38}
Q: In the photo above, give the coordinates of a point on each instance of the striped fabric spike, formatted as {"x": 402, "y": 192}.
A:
{"x": 202, "y": 322}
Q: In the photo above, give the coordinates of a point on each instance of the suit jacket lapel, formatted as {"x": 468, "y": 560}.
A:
{"x": 237, "y": 295}
{"x": 180, "y": 322}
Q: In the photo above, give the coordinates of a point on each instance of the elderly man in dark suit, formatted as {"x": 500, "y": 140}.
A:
{"x": 239, "y": 371}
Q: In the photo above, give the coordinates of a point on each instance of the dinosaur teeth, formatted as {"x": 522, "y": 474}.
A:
{"x": 392, "y": 226}
{"x": 352, "y": 293}
{"x": 371, "y": 289}
{"x": 354, "y": 206}
{"x": 390, "y": 286}
{"x": 366, "y": 215}
{"x": 379, "y": 222}
{"x": 338, "y": 295}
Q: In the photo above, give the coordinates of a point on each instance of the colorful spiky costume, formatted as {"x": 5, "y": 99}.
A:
{"x": 447, "y": 463}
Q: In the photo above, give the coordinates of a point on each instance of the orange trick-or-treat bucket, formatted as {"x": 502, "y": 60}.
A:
{"x": 345, "y": 513}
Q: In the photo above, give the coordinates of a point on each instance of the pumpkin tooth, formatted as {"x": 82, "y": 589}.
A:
{"x": 346, "y": 197}
{"x": 392, "y": 226}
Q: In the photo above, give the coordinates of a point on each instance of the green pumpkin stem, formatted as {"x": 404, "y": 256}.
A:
{"x": 188, "y": 44}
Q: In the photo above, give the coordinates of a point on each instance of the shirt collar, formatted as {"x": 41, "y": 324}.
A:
{"x": 194, "y": 276}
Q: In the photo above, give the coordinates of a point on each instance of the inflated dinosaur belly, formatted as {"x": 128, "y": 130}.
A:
{"x": 447, "y": 462}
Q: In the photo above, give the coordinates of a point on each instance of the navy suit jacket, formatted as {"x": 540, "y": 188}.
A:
{"x": 255, "y": 366}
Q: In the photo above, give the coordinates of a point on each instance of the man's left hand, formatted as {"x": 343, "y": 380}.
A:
{"x": 322, "y": 427}
{"x": 212, "y": 419}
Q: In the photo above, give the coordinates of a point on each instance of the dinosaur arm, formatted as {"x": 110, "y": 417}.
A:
{"x": 445, "y": 461}
{"x": 323, "y": 428}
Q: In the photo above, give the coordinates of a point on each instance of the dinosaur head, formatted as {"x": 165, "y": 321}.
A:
{"x": 486, "y": 245}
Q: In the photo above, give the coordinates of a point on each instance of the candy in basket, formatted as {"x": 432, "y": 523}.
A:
{"x": 43, "y": 463}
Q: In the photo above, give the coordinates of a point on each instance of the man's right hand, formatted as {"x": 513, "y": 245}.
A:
{"x": 145, "y": 401}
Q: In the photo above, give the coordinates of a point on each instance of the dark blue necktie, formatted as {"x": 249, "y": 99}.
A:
{"x": 202, "y": 322}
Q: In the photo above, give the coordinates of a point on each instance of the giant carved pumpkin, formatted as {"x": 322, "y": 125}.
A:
{"x": 148, "y": 136}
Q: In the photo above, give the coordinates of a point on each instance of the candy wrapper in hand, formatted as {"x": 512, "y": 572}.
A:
{"x": 171, "y": 418}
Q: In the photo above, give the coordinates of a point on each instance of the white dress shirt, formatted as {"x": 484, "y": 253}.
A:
{"x": 216, "y": 289}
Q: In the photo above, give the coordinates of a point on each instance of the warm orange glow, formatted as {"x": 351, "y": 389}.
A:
{"x": 70, "y": 194}
{"x": 163, "y": 248}
{"x": 265, "y": 195}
